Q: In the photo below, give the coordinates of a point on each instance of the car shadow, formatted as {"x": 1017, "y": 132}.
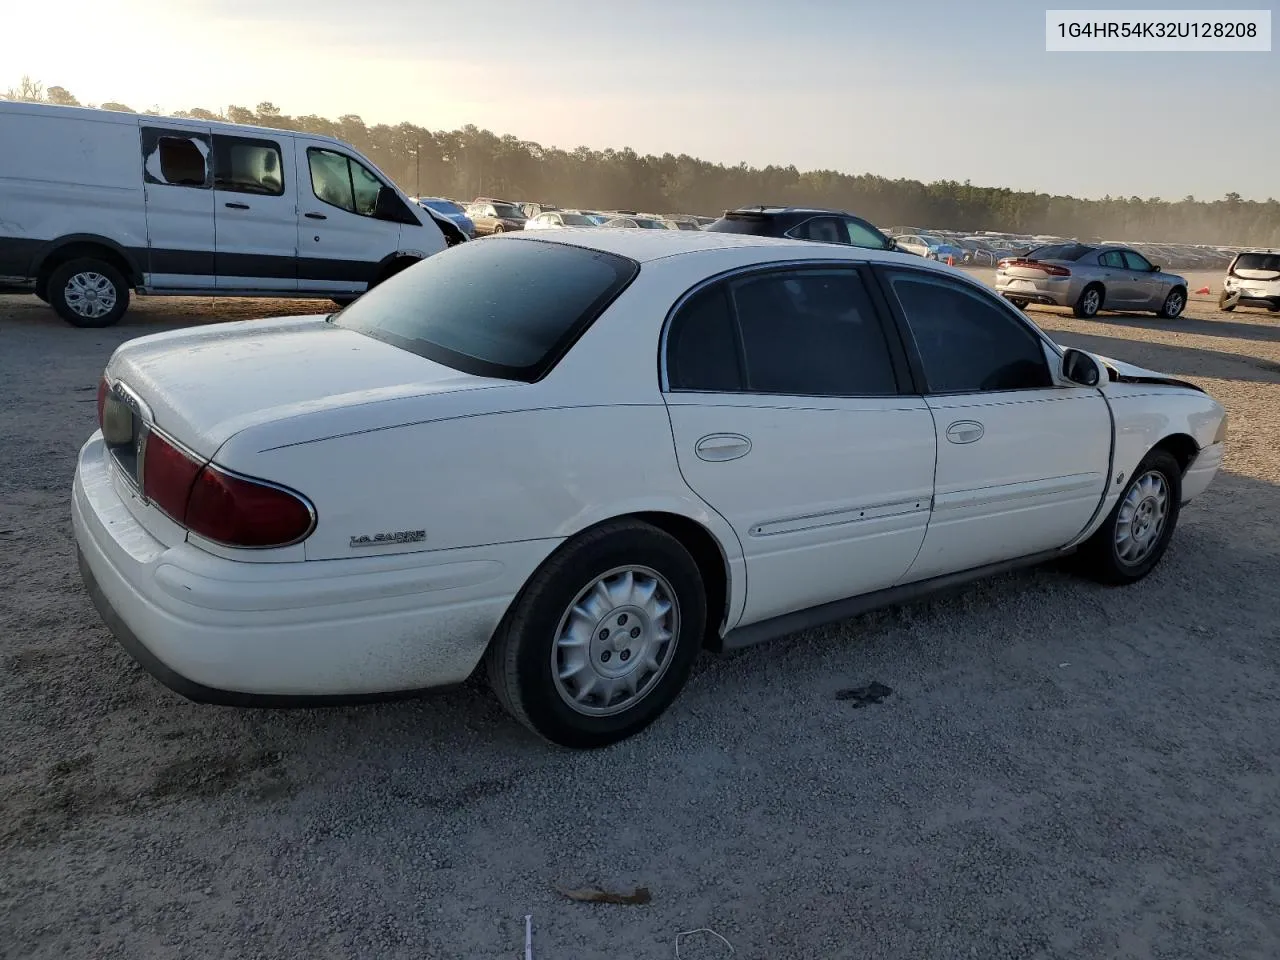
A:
{"x": 1190, "y": 362}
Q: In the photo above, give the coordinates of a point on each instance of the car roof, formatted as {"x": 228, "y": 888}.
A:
{"x": 644, "y": 246}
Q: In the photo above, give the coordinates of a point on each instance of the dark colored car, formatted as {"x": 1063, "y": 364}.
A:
{"x": 495, "y": 216}
{"x": 803, "y": 223}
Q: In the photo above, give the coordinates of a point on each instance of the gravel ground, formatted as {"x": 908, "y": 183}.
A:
{"x": 1062, "y": 770}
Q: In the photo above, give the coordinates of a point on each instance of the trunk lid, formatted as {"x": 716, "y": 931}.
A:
{"x": 204, "y": 385}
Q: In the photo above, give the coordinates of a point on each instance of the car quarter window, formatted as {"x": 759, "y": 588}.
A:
{"x": 795, "y": 332}
{"x": 1112, "y": 258}
{"x": 244, "y": 165}
{"x": 968, "y": 342}
{"x": 1136, "y": 261}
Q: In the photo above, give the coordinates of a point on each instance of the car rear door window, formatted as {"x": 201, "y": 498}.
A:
{"x": 1112, "y": 258}
{"x": 967, "y": 340}
{"x": 811, "y": 333}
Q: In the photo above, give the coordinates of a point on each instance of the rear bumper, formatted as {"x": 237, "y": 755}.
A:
{"x": 283, "y": 634}
{"x": 1054, "y": 292}
{"x": 1202, "y": 471}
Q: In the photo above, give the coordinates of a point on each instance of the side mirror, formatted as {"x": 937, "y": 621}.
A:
{"x": 1080, "y": 368}
{"x": 1155, "y": 268}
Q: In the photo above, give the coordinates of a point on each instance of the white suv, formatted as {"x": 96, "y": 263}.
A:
{"x": 1253, "y": 280}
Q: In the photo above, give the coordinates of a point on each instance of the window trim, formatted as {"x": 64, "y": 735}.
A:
{"x": 231, "y": 138}
{"x": 920, "y": 382}
{"x": 898, "y": 357}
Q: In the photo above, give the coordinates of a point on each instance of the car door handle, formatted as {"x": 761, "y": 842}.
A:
{"x": 237, "y": 206}
{"x": 722, "y": 446}
{"x": 315, "y": 216}
{"x": 965, "y": 431}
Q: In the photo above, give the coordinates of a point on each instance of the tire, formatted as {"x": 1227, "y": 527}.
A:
{"x": 1173, "y": 304}
{"x": 1274, "y": 308}
{"x": 1019, "y": 302}
{"x": 1101, "y": 558}
{"x": 499, "y": 228}
{"x": 519, "y": 661}
{"x": 79, "y": 290}
{"x": 344, "y": 301}
{"x": 1222, "y": 302}
{"x": 1090, "y": 301}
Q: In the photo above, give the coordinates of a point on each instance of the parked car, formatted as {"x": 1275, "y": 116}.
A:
{"x": 98, "y": 204}
{"x": 643, "y": 223}
{"x": 1089, "y": 279}
{"x": 802, "y": 223}
{"x": 930, "y": 247}
{"x": 1253, "y": 280}
{"x": 451, "y": 209}
{"x": 531, "y": 210}
{"x": 496, "y": 216}
{"x": 806, "y": 434}
{"x": 559, "y": 220}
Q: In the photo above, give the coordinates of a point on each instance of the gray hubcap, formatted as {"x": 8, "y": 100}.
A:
{"x": 1091, "y": 302}
{"x": 90, "y": 295}
{"x": 615, "y": 641}
{"x": 1173, "y": 306}
{"x": 1142, "y": 517}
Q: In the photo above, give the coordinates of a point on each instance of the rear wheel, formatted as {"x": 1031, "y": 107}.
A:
{"x": 1019, "y": 302}
{"x": 1223, "y": 305}
{"x": 88, "y": 293}
{"x": 1136, "y": 534}
{"x": 1174, "y": 304}
{"x": 1089, "y": 302}
{"x": 499, "y": 228}
{"x": 602, "y": 639}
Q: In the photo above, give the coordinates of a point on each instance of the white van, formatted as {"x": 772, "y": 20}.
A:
{"x": 95, "y": 203}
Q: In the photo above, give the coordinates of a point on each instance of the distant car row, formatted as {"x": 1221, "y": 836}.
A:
{"x": 486, "y": 216}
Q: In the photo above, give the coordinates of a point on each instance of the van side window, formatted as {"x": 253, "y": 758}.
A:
{"x": 338, "y": 180}
{"x": 175, "y": 158}
{"x": 244, "y": 165}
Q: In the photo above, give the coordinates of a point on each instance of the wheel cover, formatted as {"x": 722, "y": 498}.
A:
{"x": 1091, "y": 302}
{"x": 1142, "y": 517}
{"x": 1173, "y": 306}
{"x": 616, "y": 641}
{"x": 89, "y": 294}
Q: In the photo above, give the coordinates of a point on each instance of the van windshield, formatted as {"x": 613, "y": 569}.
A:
{"x": 507, "y": 308}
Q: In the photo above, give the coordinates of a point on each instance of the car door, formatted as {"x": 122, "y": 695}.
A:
{"x": 341, "y": 244}
{"x": 1147, "y": 290}
{"x": 178, "y": 185}
{"x": 256, "y": 212}
{"x": 1114, "y": 274}
{"x": 790, "y": 419}
{"x": 1023, "y": 458}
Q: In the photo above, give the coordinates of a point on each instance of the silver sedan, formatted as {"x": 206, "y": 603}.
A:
{"x": 1091, "y": 278}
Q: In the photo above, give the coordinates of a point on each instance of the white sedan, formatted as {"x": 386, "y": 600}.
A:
{"x": 559, "y": 220}
{"x": 581, "y": 457}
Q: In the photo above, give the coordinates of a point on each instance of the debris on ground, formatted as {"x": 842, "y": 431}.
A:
{"x": 874, "y": 692}
{"x": 596, "y": 895}
{"x": 706, "y": 930}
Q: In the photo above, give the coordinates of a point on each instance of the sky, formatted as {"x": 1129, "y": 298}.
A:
{"x": 923, "y": 90}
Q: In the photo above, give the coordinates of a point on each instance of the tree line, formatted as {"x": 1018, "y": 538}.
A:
{"x": 473, "y": 162}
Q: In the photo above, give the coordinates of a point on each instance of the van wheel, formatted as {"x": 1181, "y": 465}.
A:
{"x": 88, "y": 293}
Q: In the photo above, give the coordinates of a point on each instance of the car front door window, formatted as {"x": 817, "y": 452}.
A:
{"x": 968, "y": 343}
{"x": 331, "y": 178}
{"x": 365, "y": 187}
{"x": 861, "y": 235}
{"x": 1136, "y": 262}
{"x": 1112, "y": 259}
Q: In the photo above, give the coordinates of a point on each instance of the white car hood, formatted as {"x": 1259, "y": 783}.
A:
{"x": 1122, "y": 372}
{"x": 203, "y": 385}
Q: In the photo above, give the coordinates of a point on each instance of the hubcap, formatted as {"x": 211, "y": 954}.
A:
{"x": 90, "y": 295}
{"x": 1142, "y": 518}
{"x": 1174, "y": 307}
{"x": 1091, "y": 301}
{"x": 615, "y": 641}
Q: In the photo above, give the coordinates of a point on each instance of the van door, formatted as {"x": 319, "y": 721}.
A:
{"x": 256, "y": 213}
{"x": 178, "y": 184}
{"x": 342, "y": 245}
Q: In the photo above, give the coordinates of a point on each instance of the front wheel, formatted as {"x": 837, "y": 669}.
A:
{"x": 602, "y": 639}
{"x": 1174, "y": 304}
{"x": 1019, "y": 302}
{"x": 498, "y": 228}
{"x": 88, "y": 293}
{"x": 1136, "y": 533}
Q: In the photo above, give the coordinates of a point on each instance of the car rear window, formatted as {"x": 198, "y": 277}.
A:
{"x": 740, "y": 223}
{"x": 1258, "y": 261}
{"x": 508, "y": 308}
{"x": 1062, "y": 251}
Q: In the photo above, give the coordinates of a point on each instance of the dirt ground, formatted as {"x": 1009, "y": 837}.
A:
{"x": 1061, "y": 771}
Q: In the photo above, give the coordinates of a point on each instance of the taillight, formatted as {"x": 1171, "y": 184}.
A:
{"x": 102, "y": 398}
{"x": 228, "y": 509}
{"x": 239, "y": 512}
{"x": 167, "y": 476}
{"x": 1051, "y": 269}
